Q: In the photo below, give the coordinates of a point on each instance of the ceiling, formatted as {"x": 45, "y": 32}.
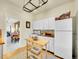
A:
{"x": 50, "y": 5}
{"x": 15, "y": 6}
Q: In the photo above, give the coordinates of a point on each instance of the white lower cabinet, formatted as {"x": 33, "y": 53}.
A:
{"x": 63, "y": 44}
{"x": 50, "y": 45}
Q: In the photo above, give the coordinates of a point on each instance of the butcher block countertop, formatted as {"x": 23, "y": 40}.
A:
{"x": 41, "y": 42}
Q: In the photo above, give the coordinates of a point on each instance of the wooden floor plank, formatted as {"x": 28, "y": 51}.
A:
{"x": 21, "y": 52}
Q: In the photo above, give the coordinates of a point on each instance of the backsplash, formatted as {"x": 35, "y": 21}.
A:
{"x": 47, "y": 33}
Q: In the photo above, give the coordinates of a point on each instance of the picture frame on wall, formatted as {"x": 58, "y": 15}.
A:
{"x": 27, "y": 24}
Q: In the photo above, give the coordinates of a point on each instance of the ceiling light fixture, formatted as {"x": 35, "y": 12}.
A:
{"x": 32, "y": 5}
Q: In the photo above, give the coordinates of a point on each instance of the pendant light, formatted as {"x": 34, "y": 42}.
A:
{"x": 32, "y": 5}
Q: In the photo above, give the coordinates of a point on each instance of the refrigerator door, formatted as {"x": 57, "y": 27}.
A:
{"x": 63, "y": 44}
{"x": 65, "y": 24}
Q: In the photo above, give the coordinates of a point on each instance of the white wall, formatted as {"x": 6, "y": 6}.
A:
{"x": 70, "y": 6}
{"x": 25, "y": 32}
{"x": 11, "y": 14}
{"x": 2, "y": 23}
{"x": 2, "y": 27}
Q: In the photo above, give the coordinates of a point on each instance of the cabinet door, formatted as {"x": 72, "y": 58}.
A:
{"x": 45, "y": 24}
{"x": 52, "y": 45}
{"x": 51, "y": 23}
{"x": 63, "y": 44}
{"x": 65, "y": 24}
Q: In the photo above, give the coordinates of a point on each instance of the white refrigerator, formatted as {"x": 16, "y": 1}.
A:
{"x": 63, "y": 38}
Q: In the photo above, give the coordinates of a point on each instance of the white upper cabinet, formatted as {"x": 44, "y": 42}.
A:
{"x": 51, "y": 23}
{"x": 44, "y": 24}
{"x": 36, "y": 25}
{"x": 65, "y": 24}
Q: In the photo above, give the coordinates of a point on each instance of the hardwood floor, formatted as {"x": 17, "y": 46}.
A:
{"x": 21, "y": 53}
